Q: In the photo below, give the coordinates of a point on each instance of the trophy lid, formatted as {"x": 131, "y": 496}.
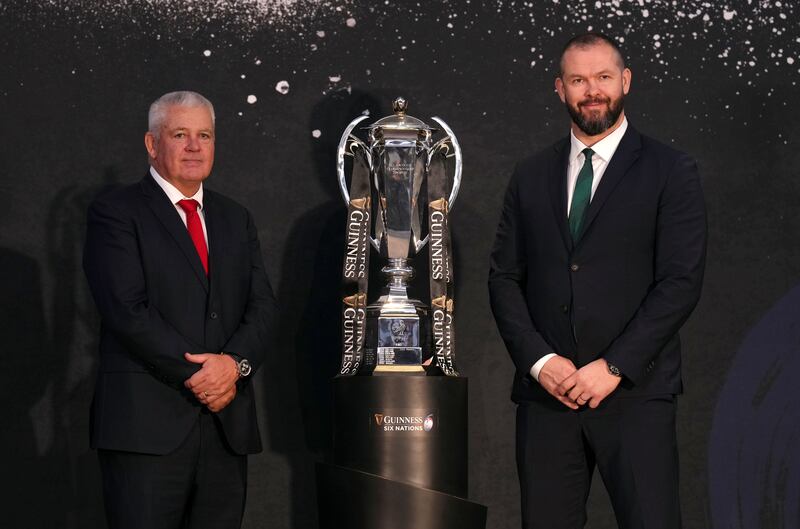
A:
{"x": 400, "y": 120}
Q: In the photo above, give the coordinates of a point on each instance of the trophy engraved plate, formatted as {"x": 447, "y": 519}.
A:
{"x": 399, "y": 197}
{"x": 398, "y": 340}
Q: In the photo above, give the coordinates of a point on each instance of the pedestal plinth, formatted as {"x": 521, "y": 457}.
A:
{"x": 400, "y": 456}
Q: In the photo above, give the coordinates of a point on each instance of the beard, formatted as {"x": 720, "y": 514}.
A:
{"x": 597, "y": 122}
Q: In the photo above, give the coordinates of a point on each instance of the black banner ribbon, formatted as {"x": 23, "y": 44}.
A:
{"x": 355, "y": 269}
{"x": 441, "y": 265}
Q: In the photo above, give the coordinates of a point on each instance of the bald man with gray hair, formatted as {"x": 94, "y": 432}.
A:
{"x": 161, "y": 106}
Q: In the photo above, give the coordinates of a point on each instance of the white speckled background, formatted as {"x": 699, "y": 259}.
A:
{"x": 717, "y": 79}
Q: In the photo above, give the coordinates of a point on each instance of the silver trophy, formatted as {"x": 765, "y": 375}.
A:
{"x": 399, "y": 198}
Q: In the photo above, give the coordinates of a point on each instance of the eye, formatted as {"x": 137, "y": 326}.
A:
{"x": 179, "y": 135}
{"x": 205, "y": 136}
{"x": 605, "y": 77}
{"x": 577, "y": 81}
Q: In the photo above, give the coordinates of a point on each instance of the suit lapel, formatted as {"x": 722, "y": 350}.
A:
{"x": 214, "y": 230}
{"x": 626, "y": 154}
{"x": 159, "y": 203}
{"x": 558, "y": 190}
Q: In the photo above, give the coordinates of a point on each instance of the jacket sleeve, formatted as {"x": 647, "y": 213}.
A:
{"x": 679, "y": 263}
{"x": 256, "y": 328}
{"x": 113, "y": 266}
{"x": 507, "y": 285}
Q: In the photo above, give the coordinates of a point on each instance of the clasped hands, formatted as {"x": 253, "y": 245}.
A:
{"x": 214, "y": 384}
{"x": 577, "y": 387}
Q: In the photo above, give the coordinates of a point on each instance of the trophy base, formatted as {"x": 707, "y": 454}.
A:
{"x": 408, "y": 356}
{"x": 384, "y": 369}
{"x": 396, "y": 339}
{"x": 400, "y": 456}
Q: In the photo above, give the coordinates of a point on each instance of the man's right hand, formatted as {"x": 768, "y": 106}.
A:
{"x": 553, "y": 372}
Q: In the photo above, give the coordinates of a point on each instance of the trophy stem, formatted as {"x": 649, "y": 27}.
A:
{"x": 398, "y": 325}
{"x": 398, "y": 273}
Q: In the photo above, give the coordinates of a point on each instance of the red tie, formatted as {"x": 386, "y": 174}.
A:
{"x": 195, "y": 228}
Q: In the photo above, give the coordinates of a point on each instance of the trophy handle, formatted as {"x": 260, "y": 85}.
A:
{"x": 445, "y": 144}
{"x": 343, "y": 151}
{"x": 347, "y": 143}
{"x": 456, "y": 152}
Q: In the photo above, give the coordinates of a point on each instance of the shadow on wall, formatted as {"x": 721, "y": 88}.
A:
{"x": 308, "y": 294}
{"x": 47, "y": 376}
{"x": 754, "y": 447}
{"x": 75, "y": 331}
{"x": 34, "y": 464}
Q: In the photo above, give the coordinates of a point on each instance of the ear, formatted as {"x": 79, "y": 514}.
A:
{"x": 150, "y": 144}
{"x": 626, "y": 81}
{"x": 560, "y": 89}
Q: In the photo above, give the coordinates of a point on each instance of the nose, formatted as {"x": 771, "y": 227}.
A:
{"x": 193, "y": 144}
{"x": 592, "y": 87}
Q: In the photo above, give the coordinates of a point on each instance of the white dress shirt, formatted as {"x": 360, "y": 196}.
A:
{"x": 176, "y": 196}
{"x": 603, "y": 151}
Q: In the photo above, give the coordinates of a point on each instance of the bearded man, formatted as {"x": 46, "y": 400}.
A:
{"x": 597, "y": 263}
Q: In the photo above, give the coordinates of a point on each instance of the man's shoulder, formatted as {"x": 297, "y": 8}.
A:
{"x": 660, "y": 150}
{"x": 550, "y": 154}
{"x": 224, "y": 203}
{"x": 117, "y": 197}
{"x": 541, "y": 163}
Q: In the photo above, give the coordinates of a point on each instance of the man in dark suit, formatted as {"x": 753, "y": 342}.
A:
{"x": 187, "y": 310}
{"x": 597, "y": 263}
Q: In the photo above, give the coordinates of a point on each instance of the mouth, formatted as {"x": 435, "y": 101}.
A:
{"x": 592, "y": 105}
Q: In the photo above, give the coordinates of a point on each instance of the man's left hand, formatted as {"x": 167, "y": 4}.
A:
{"x": 215, "y": 379}
{"x": 590, "y": 384}
{"x": 218, "y": 402}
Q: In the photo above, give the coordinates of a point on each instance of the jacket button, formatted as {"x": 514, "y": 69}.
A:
{"x": 574, "y": 267}
{"x": 213, "y": 315}
{"x": 564, "y": 309}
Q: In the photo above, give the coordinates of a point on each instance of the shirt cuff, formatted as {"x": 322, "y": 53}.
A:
{"x": 539, "y": 365}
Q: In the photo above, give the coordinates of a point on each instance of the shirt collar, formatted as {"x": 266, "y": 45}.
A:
{"x": 604, "y": 148}
{"x": 172, "y": 192}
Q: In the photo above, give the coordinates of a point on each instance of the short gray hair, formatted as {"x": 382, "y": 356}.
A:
{"x": 182, "y": 98}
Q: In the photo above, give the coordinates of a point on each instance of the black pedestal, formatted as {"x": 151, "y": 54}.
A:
{"x": 400, "y": 456}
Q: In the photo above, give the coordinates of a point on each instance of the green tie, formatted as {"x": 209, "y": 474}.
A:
{"x": 581, "y": 195}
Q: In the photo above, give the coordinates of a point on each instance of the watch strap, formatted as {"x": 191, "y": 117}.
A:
{"x": 243, "y": 367}
{"x": 614, "y": 370}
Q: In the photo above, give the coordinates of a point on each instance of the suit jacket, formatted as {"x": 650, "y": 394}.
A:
{"x": 156, "y": 303}
{"x": 623, "y": 290}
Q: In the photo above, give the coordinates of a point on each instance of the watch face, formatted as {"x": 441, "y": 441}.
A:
{"x": 244, "y": 368}
{"x": 614, "y": 370}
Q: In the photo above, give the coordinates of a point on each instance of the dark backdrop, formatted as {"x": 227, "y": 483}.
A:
{"x": 76, "y": 79}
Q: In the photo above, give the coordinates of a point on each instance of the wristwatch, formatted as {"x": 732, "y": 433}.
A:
{"x": 243, "y": 366}
{"x": 614, "y": 370}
